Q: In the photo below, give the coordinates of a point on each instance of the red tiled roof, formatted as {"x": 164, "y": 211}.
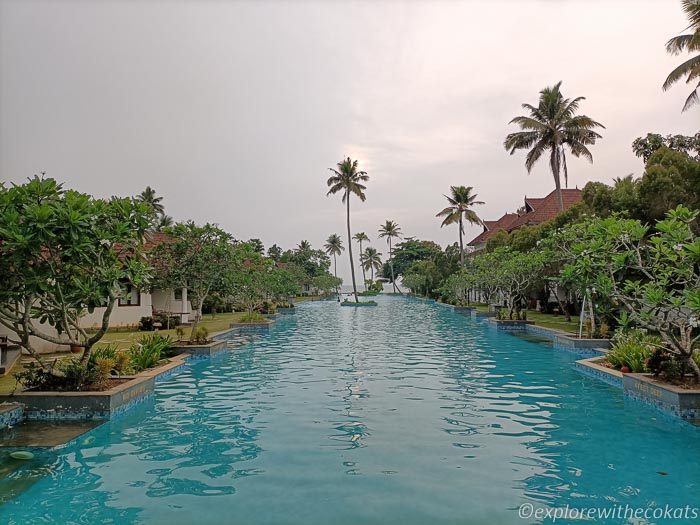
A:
{"x": 490, "y": 227}
{"x": 539, "y": 210}
{"x": 152, "y": 239}
{"x": 546, "y": 209}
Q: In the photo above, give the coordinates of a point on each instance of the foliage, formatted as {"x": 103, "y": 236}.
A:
{"x": 202, "y": 335}
{"x": 632, "y": 349}
{"x": 195, "y": 257}
{"x": 653, "y": 275}
{"x": 253, "y": 317}
{"x": 459, "y": 210}
{"x": 250, "y": 278}
{"x": 689, "y": 43}
{"x": 390, "y": 230}
{"x": 326, "y": 284}
{"x": 348, "y": 180}
{"x": 645, "y": 147}
{"x": 147, "y": 323}
{"x": 64, "y": 253}
{"x": 553, "y": 126}
{"x": 408, "y": 252}
{"x": 148, "y": 351}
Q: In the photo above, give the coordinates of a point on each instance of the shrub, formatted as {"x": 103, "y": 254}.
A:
{"x": 103, "y": 371}
{"x": 255, "y": 318}
{"x": 148, "y": 350}
{"x": 633, "y": 349}
{"x": 122, "y": 363}
{"x": 201, "y": 336}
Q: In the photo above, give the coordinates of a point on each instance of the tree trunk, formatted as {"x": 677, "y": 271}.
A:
{"x": 364, "y": 275}
{"x": 557, "y": 181}
{"x": 335, "y": 271}
{"x": 352, "y": 265}
{"x": 391, "y": 266}
{"x": 197, "y": 318}
{"x": 461, "y": 245}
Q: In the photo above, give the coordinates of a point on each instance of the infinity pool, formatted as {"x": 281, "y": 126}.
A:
{"x": 406, "y": 413}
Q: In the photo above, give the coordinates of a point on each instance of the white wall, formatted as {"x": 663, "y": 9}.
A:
{"x": 164, "y": 301}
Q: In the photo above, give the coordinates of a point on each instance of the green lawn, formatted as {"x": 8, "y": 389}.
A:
{"x": 558, "y": 322}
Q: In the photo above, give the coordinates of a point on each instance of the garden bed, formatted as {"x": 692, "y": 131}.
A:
{"x": 678, "y": 400}
{"x": 199, "y": 349}
{"x": 511, "y": 324}
{"x": 123, "y": 393}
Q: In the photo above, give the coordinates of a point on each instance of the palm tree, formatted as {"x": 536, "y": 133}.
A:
{"x": 165, "y": 221}
{"x": 349, "y": 180}
{"x": 361, "y": 237}
{"x": 390, "y": 230}
{"x": 304, "y": 246}
{"x": 551, "y": 126}
{"x": 689, "y": 42}
{"x": 459, "y": 211}
{"x": 334, "y": 246}
{"x": 148, "y": 197}
{"x": 371, "y": 260}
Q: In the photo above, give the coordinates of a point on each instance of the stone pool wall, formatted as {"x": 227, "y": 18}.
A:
{"x": 10, "y": 415}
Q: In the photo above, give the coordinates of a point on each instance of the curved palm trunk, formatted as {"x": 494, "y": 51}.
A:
{"x": 352, "y": 265}
{"x": 364, "y": 275}
{"x": 557, "y": 181}
{"x": 335, "y": 271}
{"x": 461, "y": 243}
{"x": 391, "y": 266}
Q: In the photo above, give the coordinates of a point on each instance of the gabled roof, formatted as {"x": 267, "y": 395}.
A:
{"x": 537, "y": 211}
{"x": 490, "y": 227}
{"x": 546, "y": 209}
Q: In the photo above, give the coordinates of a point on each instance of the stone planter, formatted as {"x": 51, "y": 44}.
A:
{"x": 353, "y": 303}
{"x": 478, "y": 314}
{"x": 286, "y": 311}
{"x": 681, "y": 402}
{"x": 508, "y": 324}
{"x": 92, "y": 405}
{"x": 210, "y": 348}
{"x": 252, "y": 328}
{"x": 590, "y": 367}
{"x": 574, "y": 343}
{"x": 11, "y": 414}
{"x": 463, "y": 309}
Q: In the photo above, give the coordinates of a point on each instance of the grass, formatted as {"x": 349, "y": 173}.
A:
{"x": 558, "y": 322}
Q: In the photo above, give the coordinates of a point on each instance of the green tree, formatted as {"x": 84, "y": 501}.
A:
{"x": 361, "y": 237}
{"x": 371, "y": 260}
{"x": 195, "y": 257}
{"x": 274, "y": 252}
{"x": 459, "y": 210}
{"x": 250, "y": 278}
{"x": 670, "y": 179}
{"x": 304, "y": 246}
{"x": 653, "y": 275}
{"x": 690, "y": 43}
{"x": 348, "y": 180}
{"x": 410, "y": 251}
{"x": 326, "y": 284}
{"x": 553, "y": 126}
{"x": 645, "y": 147}
{"x": 334, "y": 247}
{"x": 390, "y": 230}
{"x": 148, "y": 197}
{"x": 64, "y": 253}
{"x": 257, "y": 245}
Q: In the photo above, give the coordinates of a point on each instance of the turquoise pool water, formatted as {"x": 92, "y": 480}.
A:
{"x": 405, "y": 413}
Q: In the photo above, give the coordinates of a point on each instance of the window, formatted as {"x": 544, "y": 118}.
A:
{"x": 132, "y": 297}
{"x": 178, "y": 294}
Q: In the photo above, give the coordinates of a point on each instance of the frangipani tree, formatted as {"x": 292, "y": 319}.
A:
{"x": 653, "y": 275}
{"x": 194, "y": 257}
{"x": 64, "y": 253}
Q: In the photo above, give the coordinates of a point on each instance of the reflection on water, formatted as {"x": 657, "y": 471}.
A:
{"x": 405, "y": 413}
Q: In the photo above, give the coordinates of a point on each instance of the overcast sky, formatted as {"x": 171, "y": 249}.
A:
{"x": 233, "y": 111}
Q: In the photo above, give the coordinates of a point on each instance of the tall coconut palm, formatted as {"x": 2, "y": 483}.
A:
{"x": 390, "y": 230}
{"x": 371, "y": 260}
{"x": 348, "y": 180}
{"x": 334, "y": 246}
{"x": 459, "y": 210}
{"x": 690, "y": 43}
{"x": 165, "y": 221}
{"x": 304, "y": 246}
{"x": 552, "y": 126}
{"x": 148, "y": 197}
{"x": 361, "y": 237}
